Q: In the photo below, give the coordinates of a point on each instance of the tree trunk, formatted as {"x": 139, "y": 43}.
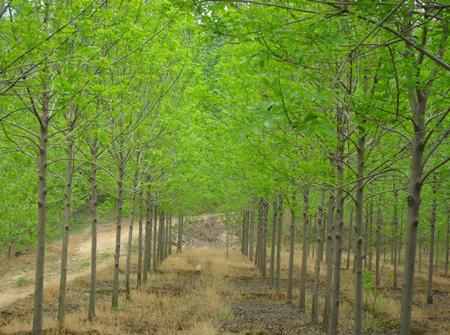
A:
{"x": 180, "y": 234}
{"x": 291, "y": 250}
{"x": 436, "y": 259}
{"x": 359, "y": 205}
{"x": 366, "y": 237}
{"x": 369, "y": 242}
{"x": 432, "y": 240}
{"x": 315, "y": 301}
{"x": 120, "y": 196}
{"x": 395, "y": 239}
{"x": 272, "y": 242}
{"x": 130, "y": 230}
{"x": 42, "y": 206}
{"x": 349, "y": 246}
{"x": 161, "y": 233}
{"x": 378, "y": 251}
{"x": 93, "y": 208}
{"x": 66, "y": 227}
{"x": 169, "y": 235}
{"x": 329, "y": 260}
{"x": 140, "y": 241}
{"x": 265, "y": 214}
{"x": 155, "y": 234}
{"x": 252, "y": 236}
{"x": 419, "y": 104}
{"x": 334, "y": 312}
{"x": 148, "y": 237}
{"x": 304, "y": 266}
{"x": 279, "y": 235}
{"x": 447, "y": 243}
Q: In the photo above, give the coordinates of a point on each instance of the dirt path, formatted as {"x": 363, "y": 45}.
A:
{"x": 17, "y": 274}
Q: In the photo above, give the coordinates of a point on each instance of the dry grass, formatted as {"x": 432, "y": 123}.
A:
{"x": 188, "y": 295}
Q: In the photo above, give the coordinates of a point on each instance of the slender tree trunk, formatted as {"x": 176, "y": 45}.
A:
{"x": 66, "y": 227}
{"x": 93, "y": 208}
{"x": 180, "y": 234}
{"x": 272, "y": 242}
{"x": 369, "y": 242}
{"x": 258, "y": 238}
{"x": 130, "y": 230}
{"x": 244, "y": 223}
{"x": 432, "y": 240}
{"x": 161, "y": 237}
{"x": 120, "y": 196}
{"x": 265, "y": 214}
{"x": 349, "y": 246}
{"x": 447, "y": 243}
{"x": 436, "y": 262}
{"x": 366, "y": 237}
{"x": 419, "y": 246}
{"x": 169, "y": 235}
{"x": 400, "y": 240}
{"x": 395, "y": 239}
{"x": 227, "y": 227}
{"x": 155, "y": 234}
{"x": 140, "y": 241}
{"x": 334, "y": 312}
{"x": 279, "y": 235}
{"x": 291, "y": 250}
{"x": 148, "y": 236}
{"x": 329, "y": 260}
{"x": 378, "y": 251}
{"x": 42, "y": 206}
{"x": 414, "y": 199}
{"x": 315, "y": 301}
{"x": 304, "y": 266}
{"x": 252, "y": 237}
{"x": 359, "y": 205}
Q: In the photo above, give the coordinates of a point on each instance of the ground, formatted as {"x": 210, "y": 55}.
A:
{"x": 199, "y": 292}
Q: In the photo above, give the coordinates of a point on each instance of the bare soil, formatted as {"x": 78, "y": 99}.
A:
{"x": 17, "y": 273}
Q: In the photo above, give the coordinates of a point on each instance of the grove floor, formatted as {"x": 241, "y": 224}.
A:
{"x": 203, "y": 292}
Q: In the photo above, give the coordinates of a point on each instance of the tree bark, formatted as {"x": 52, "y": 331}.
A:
{"x": 304, "y": 265}
{"x": 251, "y": 236}
{"x": 432, "y": 242}
{"x": 148, "y": 237}
{"x": 329, "y": 260}
{"x": 334, "y": 312}
{"x": 315, "y": 301}
{"x": 279, "y": 235}
{"x": 42, "y": 207}
{"x": 395, "y": 241}
{"x": 272, "y": 241}
{"x": 93, "y": 208}
{"x": 66, "y": 226}
{"x": 447, "y": 243}
{"x": 369, "y": 241}
{"x": 414, "y": 199}
{"x": 291, "y": 250}
{"x": 120, "y": 197}
{"x": 180, "y": 234}
{"x": 155, "y": 234}
{"x": 130, "y": 230}
{"x": 349, "y": 246}
{"x": 140, "y": 241}
{"x": 359, "y": 205}
{"x": 378, "y": 250}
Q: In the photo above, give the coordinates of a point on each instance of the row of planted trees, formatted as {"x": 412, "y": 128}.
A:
{"x": 88, "y": 90}
{"x": 378, "y": 243}
{"x": 341, "y": 105}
